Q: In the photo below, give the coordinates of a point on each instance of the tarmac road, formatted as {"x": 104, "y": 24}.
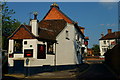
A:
{"x": 97, "y": 72}
{"x": 93, "y": 72}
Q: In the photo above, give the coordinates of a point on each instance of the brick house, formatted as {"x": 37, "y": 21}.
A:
{"x": 54, "y": 41}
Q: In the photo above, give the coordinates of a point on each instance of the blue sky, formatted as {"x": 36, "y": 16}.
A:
{"x": 96, "y": 17}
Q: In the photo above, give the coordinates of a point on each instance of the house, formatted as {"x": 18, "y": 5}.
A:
{"x": 54, "y": 41}
{"x": 90, "y": 52}
{"x": 108, "y": 41}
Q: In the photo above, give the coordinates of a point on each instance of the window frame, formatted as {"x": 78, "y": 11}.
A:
{"x": 18, "y": 43}
{"x": 50, "y": 46}
{"x": 104, "y": 42}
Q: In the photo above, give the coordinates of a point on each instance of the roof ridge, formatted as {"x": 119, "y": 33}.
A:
{"x": 61, "y": 13}
{"x": 65, "y": 15}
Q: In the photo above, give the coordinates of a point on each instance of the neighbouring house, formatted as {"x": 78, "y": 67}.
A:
{"x": 86, "y": 44}
{"x": 90, "y": 52}
{"x": 108, "y": 41}
{"x": 54, "y": 41}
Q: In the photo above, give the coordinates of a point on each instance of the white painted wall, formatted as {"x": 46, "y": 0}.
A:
{"x": 11, "y": 46}
{"x": 32, "y": 61}
{"x": 65, "y": 48}
{"x": 79, "y": 44}
{"x": 33, "y": 43}
{"x": 34, "y": 25}
{"x": 102, "y": 45}
{"x": 40, "y": 62}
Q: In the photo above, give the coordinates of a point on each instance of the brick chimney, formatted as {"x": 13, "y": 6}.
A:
{"x": 109, "y": 31}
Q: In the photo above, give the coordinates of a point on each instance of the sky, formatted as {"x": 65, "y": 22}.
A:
{"x": 96, "y": 17}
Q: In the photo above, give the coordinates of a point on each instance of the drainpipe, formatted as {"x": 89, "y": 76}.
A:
{"x": 55, "y": 58}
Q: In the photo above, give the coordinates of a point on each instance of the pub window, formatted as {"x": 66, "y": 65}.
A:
{"x": 28, "y": 53}
{"x": 50, "y": 49}
{"x": 18, "y": 46}
{"x": 41, "y": 54}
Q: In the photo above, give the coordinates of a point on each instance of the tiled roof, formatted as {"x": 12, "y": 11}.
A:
{"x": 56, "y": 13}
{"x": 113, "y": 35}
{"x": 22, "y": 32}
{"x": 29, "y": 27}
{"x": 49, "y": 29}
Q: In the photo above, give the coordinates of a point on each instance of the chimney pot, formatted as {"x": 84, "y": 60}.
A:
{"x": 35, "y": 15}
{"x": 102, "y": 35}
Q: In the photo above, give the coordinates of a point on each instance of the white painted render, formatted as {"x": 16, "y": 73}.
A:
{"x": 32, "y": 61}
{"x": 34, "y": 27}
{"x": 40, "y": 62}
{"x": 11, "y": 46}
{"x": 66, "y": 49}
{"x": 33, "y": 43}
{"x": 107, "y": 45}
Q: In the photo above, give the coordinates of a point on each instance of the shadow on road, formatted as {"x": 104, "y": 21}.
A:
{"x": 9, "y": 78}
{"x": 97, "y": 72}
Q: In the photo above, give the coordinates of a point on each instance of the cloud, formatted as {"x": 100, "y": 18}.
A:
{"x": 102, "y": 24}
{"x": 109, "y": 4}
{"x": 108, "y": 25}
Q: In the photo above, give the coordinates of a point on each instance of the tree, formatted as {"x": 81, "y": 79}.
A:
{"x": 96, "y": 50}
{"x": 8, "y": 24}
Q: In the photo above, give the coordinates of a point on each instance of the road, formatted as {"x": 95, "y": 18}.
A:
{"x": 93, "y": 72}
{"x": 97, "y": 72}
